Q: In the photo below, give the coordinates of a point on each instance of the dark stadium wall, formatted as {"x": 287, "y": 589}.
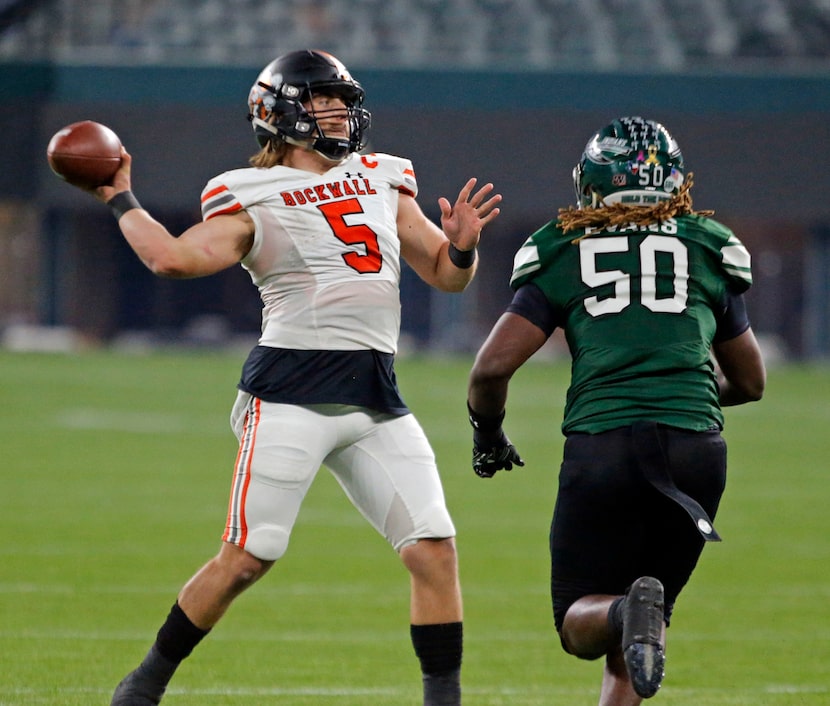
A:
{"x": 758, "y": 146}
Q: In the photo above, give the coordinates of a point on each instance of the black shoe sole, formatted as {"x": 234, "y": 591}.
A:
{"x": 643, "y": 614}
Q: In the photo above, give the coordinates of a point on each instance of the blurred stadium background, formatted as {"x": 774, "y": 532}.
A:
{"x": 505, "y": 90}
{"x": 113, "y": 490}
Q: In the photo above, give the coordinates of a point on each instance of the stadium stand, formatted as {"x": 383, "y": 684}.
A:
{"x": 662, "y": 35}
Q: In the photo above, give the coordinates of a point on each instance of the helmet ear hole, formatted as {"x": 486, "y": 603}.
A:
{"x": 276, "y": 110}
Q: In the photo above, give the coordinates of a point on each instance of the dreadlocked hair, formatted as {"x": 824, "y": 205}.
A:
{"x": 616, "y": 214}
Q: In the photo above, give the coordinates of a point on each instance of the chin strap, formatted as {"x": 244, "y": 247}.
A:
{"x": 331, "y": 148}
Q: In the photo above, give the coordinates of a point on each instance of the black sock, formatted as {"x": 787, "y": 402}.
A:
{"x": 148, "y": 682}
{"x": 178, "y": 636}
{"x": 615, "y": 618}
{"x": 439, "y": 649}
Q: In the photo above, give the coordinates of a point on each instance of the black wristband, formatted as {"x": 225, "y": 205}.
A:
{"x": 122, "y": 202}
{"x": 462, "y": 259}
{"x": 485, "y": 424}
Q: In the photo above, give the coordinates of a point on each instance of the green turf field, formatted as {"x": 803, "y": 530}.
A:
{"x": 116, "y": 470}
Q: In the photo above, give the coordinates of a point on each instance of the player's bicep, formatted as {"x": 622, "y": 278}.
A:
{"x": 732, "y": 319}
{"x": 530, "y": 302}
{"x": 513, "y": 340}
{"x": 218, "y": 243}
{"x": 742, "y": 368}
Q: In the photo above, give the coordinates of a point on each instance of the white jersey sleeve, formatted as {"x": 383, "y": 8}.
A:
{"x": 326, "y": 253}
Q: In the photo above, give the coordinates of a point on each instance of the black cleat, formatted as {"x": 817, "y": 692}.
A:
{"x": 643, "y": 613}
{"x": 135, "y": 691}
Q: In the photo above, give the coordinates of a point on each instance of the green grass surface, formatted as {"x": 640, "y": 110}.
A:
{"x": 116, "y": 471}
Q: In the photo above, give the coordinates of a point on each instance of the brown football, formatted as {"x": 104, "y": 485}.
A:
{"x": 86, "y": 154}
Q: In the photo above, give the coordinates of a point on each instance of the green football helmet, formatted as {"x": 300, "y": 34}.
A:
{"x": 632, "y": 161}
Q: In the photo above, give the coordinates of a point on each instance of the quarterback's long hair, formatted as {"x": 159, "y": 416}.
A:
{"x": 680, "y": 204}
{"x": 269, "y": 156}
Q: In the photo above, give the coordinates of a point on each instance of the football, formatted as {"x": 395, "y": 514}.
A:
{"x": 85, "y": 154}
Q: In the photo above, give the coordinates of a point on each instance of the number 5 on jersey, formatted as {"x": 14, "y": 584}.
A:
{"x": 359, "y": 234}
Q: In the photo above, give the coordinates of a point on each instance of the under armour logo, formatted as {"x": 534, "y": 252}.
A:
{"x": 358, "y": 175}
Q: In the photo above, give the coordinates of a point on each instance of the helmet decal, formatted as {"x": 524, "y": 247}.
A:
{"x": 606, "y": 149}
{"x": 674, "y": 181}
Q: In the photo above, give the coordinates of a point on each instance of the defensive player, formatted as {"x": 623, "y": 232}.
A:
{"x": 321, "y": 229}
{"x": 645, "y": 289}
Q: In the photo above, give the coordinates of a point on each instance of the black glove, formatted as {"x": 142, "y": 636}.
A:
{"x": 492, "y": 450}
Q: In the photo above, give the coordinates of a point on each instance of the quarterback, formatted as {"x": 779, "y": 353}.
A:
{"x": 648, "y": 291}
{"x": 322, "y": 230}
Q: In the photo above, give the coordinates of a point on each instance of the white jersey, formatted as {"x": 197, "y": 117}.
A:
{"x": 326, "y": 254}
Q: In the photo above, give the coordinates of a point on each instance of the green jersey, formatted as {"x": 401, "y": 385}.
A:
{"x": 638, "y": 305}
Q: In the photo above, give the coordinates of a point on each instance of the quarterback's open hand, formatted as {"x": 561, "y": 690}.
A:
{"x": 496, "y": 457}
{"x": 462, "y": 221}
